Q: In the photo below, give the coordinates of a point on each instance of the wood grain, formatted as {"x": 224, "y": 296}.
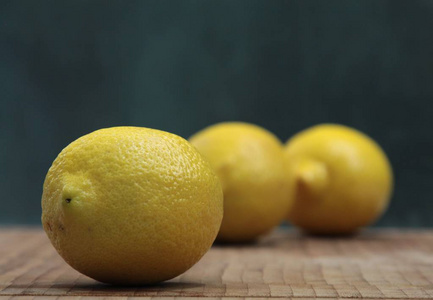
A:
{"x": 381, "y": 264}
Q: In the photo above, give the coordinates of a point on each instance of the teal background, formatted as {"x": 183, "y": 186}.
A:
{"x": 70, "y": 67}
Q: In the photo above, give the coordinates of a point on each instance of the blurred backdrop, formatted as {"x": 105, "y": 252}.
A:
{"x": 70, "y": 67}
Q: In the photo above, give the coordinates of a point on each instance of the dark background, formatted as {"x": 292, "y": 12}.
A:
{"x": 70, "y": 67}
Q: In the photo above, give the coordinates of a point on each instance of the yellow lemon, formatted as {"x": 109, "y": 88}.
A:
{"x": 249, "y": 162}
{"x": 342, "y": 179}
{"x": 129, "y": 205}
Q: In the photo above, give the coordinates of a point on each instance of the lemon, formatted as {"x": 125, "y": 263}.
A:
{"x": 129, "y": 205}
{"x": 342, "y": 179}
{"x": 249, "y": 162}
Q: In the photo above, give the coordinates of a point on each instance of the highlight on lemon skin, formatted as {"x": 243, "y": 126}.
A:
{"x": 250, "y": 165}
{"x": 131, "y": 206}
{"x": 342, "y": 180}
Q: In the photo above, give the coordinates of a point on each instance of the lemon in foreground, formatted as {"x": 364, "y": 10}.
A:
{"x": 129, "y": 205}
{"x": 249, "y": 162}
{"x": 342, "y": 179}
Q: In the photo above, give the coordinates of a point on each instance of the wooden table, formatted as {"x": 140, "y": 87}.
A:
{"x": 377, "y": 264}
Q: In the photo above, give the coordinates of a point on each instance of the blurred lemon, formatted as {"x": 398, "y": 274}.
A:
{"x": 128, "y": 205}
{"x": 249, "y": 162}
{"x": 342, "y": 178}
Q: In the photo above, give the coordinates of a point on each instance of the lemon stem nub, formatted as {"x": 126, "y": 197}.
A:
{"x": 312, "y": 176}
{"x": 68, "y": 200}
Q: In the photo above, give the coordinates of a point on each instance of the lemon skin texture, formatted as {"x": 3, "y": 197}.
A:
{"x": 342, "y": 179}
{"x": 132, "y": 206}
{"x": 250, "y": 164}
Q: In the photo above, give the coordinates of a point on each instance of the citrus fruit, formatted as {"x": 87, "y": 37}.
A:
{"x": 129, "y": 205}
{"x": 341, "y": 177}
{"x": 249, "y": 162}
